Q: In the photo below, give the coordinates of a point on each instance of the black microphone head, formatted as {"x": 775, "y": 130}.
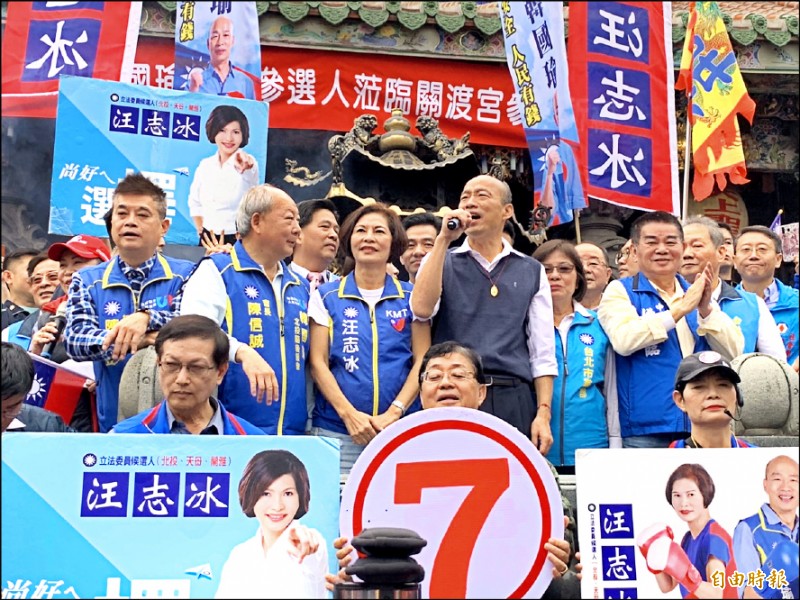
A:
{"x": 60, "y": 319}
{"x": 453, "y": 224}
{"x": 727, "y": 412}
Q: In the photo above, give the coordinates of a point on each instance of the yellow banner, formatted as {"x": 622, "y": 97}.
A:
{"x": 710, "y": 75}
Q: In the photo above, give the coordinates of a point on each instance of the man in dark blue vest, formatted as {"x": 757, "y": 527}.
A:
{"x": 19, "y": 301}
{"x": 263, "y": 307}
{"x": 654, "y": 319}
{"x": 118, "y": 306}
{"x": 488, "y": 296}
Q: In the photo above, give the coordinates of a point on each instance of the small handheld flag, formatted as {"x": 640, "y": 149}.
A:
{"x": 777, "y": 223}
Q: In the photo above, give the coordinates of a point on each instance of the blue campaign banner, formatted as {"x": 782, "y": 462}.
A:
{"x": 537, "y": 60}
{"x": 161, "y": 516}
{"x": 106, "y": 130}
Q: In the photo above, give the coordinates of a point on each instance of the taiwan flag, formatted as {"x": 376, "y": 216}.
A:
{"x": 55, "y": 388}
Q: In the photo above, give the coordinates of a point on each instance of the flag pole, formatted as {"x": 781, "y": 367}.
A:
{"x": 687, "y": 160}
{"x": 577, "y": 217}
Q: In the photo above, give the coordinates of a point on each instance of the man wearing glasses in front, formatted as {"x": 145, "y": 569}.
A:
{"x": 192, "y": 354}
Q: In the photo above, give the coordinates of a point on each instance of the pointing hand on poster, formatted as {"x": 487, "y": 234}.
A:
{"x": 244, "y": 161}
{"x": 302, "y": 541}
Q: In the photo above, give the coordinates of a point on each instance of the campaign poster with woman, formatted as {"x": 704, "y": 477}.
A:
{"x": 204, "y": 151}
{"x": 688, "y": 523}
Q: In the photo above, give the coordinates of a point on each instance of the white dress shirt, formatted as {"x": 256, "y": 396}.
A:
{"x": 250, "y": 573}
{"x": 216, "y": 191}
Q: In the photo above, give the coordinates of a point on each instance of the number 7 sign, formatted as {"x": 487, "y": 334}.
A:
{"x": 475, "y": 488}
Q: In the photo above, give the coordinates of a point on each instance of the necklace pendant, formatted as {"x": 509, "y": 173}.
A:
{"x": 494, "y": 291}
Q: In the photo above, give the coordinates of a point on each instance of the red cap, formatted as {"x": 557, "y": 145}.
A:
{"x": 85, "y": 246}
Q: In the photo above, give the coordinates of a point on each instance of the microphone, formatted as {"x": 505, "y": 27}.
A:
{"x": 727, "y": 412}
{"x": 453, "y": 224}
{"x": 60, "y": 319}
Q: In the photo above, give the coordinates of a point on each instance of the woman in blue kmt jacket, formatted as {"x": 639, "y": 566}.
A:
{"x": 365, "y": 349}
{"x": 581, "y": 416}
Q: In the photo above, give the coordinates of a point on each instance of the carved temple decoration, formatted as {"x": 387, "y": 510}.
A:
{"x": 410, "y": 172}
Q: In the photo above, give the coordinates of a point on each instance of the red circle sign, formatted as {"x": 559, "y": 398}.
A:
{"x": 475, "y": 488}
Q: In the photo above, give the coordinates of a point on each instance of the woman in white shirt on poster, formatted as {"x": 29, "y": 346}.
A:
{"x": 285, "y": 559}
{"x": 221, "y": 180}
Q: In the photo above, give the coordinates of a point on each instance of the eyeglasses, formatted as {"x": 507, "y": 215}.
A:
{"x": 456, "y": 376}
{"x": 194, "y": 369}
{"x": 563, "y": 269}
{"x": 38, "y": 279}
{"x": 623, "y": 254}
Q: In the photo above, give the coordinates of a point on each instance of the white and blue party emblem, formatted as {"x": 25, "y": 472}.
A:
{"x": 89, "y": 460}
{"x": 586, "y": 338}
{"x": 112, "y": 308}
{"x": 251, "y": 292}
{"x": 351, "y": 312}
{"x": 38, "y": 391}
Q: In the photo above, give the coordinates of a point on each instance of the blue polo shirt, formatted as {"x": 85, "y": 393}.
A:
{"x": 236, "y": 81}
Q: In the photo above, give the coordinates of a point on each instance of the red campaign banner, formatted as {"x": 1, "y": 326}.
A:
{"x": 44, "y": 40}
{"x": 320, "y": 89}
{"x": 621, "y": 78}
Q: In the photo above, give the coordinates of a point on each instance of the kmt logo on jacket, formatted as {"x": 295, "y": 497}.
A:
{"x": 586, "y": 338}
{"x": 251, "y": 292}
{"x": 111, "y": 308}
{"x": 397, "y": 318}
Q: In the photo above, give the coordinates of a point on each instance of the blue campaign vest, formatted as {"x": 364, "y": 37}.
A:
{"x": 579, "y": 406}
{"x": 114, "y": 299}
{"x": 742, "y": 307}
{"x": 277, "y": 329}
{"x": 787, "y": 318}
{"x": 370, "y": 350}
{"x": 155, "y": 420}
{"x": 646, "y": 378}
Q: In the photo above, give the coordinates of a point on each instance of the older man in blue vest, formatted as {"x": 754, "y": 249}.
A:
{"x": 705, "y": 246}
{"x": 654, "y": 319}
{"x": 263, "y": 307}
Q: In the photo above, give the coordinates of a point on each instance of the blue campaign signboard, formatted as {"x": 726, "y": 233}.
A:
{"x": 190, "y": 144}
{"x": 134, "y": 516}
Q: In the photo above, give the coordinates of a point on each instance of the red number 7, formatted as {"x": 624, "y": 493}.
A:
{"x": 488, "y": 479}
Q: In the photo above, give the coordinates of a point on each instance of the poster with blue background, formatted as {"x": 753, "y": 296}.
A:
{"x": 106, "y": 130}
{"x": 133, "y": 516}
